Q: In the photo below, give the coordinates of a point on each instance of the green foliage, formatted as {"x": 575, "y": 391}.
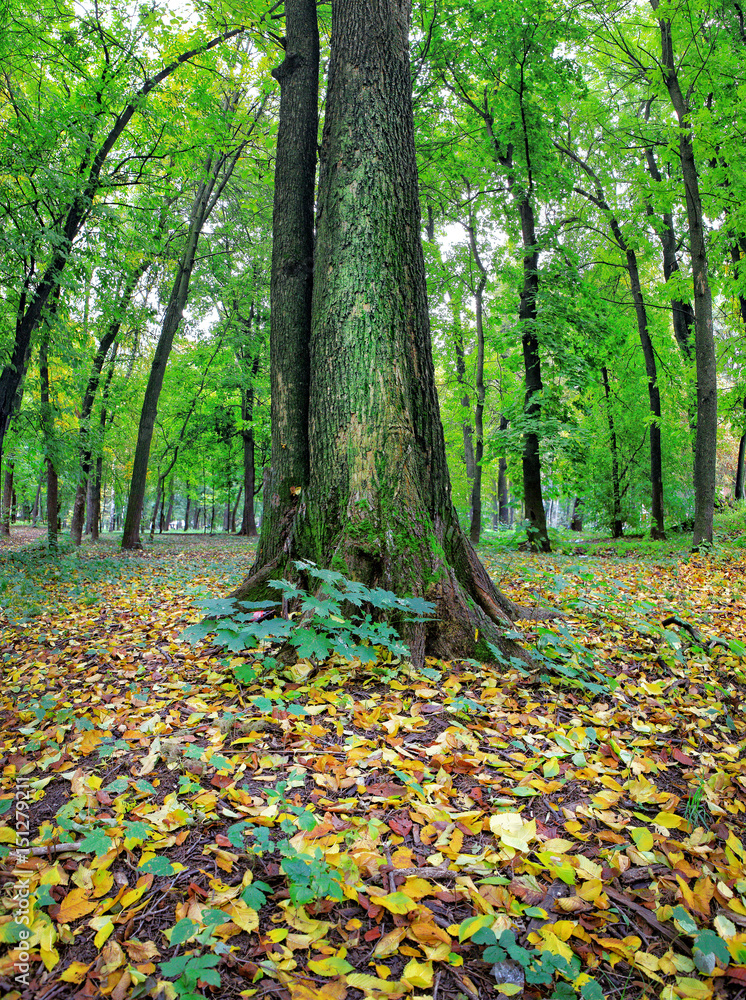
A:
{"x": 696, "y": 809}
{"x": 336, "y": 618}
{"x": 26, "y": 575}
{"x": 538, "y": 968}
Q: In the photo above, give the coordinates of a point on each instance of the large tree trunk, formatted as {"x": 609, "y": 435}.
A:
{"x": 378, "y": 501}
{"x": 705, "y": 455}
{"x": 292, "y": 275}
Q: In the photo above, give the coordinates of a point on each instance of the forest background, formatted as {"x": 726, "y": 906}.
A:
{"x": 137, "y": 183}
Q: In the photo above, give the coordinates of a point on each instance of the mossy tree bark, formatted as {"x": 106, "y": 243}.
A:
{"x": 377, "y": 504}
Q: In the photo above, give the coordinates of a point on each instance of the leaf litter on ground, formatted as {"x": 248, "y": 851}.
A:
{"x": 355, "y": 830}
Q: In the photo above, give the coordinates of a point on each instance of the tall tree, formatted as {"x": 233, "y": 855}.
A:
{"x": 217, "y": 170}
{"x": 377, "y": 505}
{"x": 598, "y": 198}
{"x": 705, "y": 455}
{"x": 292, "y": 278}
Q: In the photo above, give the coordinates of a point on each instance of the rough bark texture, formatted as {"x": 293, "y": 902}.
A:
{"x": 502, "y": 480}
{"x": 378, "y": 506}
{"x": 292, "y": 275}
{"x": 705, "y": 455}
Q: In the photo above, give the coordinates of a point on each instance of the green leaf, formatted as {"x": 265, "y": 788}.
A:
{"x": 97, "y": 841}
{"x": 182, "y": 931}
{"x": 311, "y": 644}
{"x": 708, "y": 943}
{"x": 158, "y": 866}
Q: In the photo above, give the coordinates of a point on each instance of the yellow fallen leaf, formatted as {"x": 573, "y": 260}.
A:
{"x": 696, "y": 988}
{"x": 74, "y": 906}
{"x": 389, "y": 943}
{"x": 370, "y": 985}
{"x": 418, "y": 974}
{"x": 334, "y": 965}
{"x": 395, "y": 902}
{"x": 417, "y": 888}
{"x": 669, "y": 820}
{"x": 642, "y": 837}
{"x": 75, "y": 972}
{"x": 512, "y": 830}
{"x": 243, "y": 916}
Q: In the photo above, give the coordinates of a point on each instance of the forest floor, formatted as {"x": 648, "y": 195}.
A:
{"x": 346, "y": 831}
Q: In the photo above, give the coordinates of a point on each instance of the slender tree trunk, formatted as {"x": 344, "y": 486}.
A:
{"x": 740, "y": 485}
{"x": 50, "y": 444}
{"x": 156, "y": 508}
{"x": 95, "y": 506}
{"x": 7, "y": 499}
{"x": 681, "y": 311}
{"x": 171, "y": 323}
{"x": 218, "y": 170}
{"x": 187, "y": 508}
{"x": 705, "y": 456}
{"x": 248, "y": 522}
{"x": 37, "y": 503}
{"x": 654, "y": 399}
{"x": 89, "y": 396}
{"x": 475, "y": 529}
{"x": 234, "y": 511}
{"x": 467, "y": 428}
{"x": 576, "y": 521}
{"x": 292, "y": 276}
{"x": 170, "y": 511}
{"x": 739, "y": 490}
{"x": 378, "y": 502}
{"x": 502, "y": 480}
{"x": 617, "y": 525}
{"x": 533, "y": 499}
